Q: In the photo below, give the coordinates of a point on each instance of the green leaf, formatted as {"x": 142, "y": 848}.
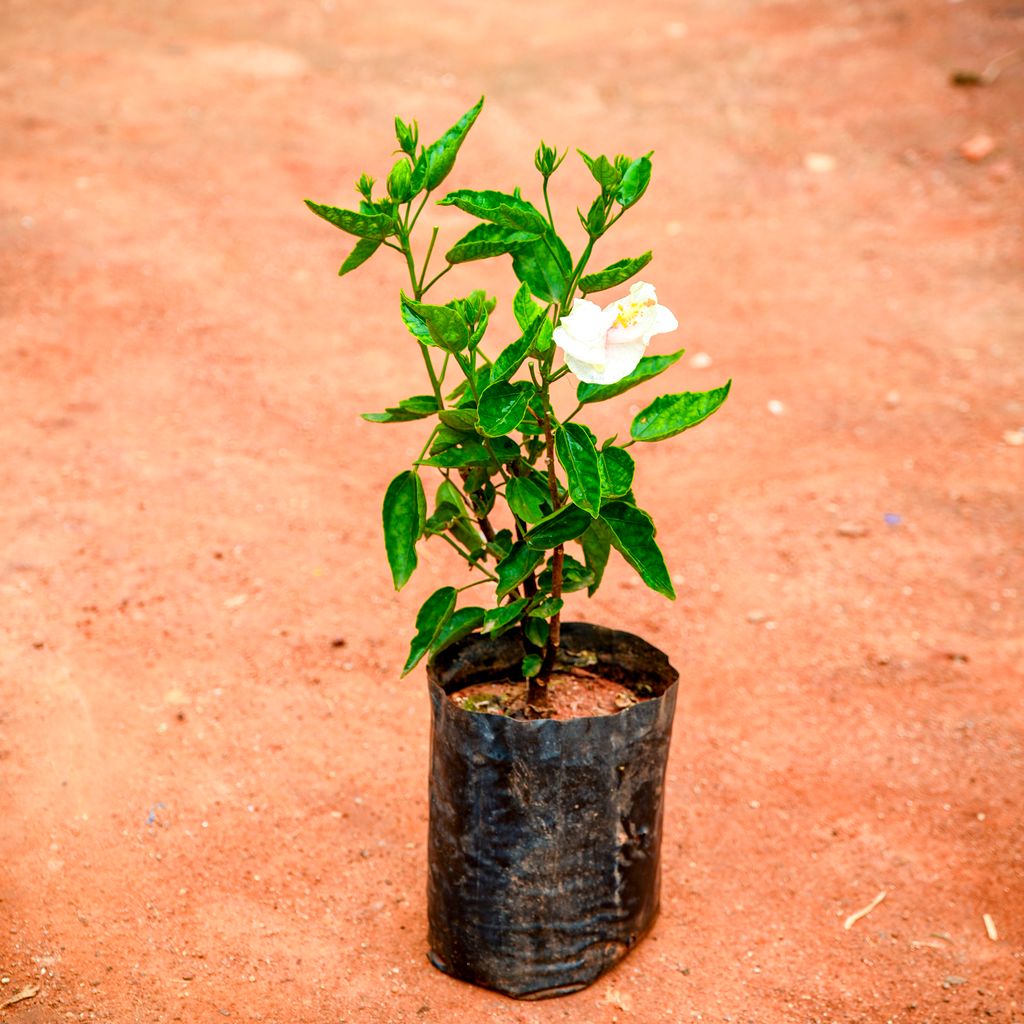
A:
{"x": 375, "y": 226}
{"x": 511, "y": 358}
{"x": 481, "y": 328}
{"x": 459, "y": 419}
{"x": 432, "y": 616}
{"x": 575, "y": 450}
{"x": 467, "y": 453}
{"x": 634, "y": 181}
{"x": 575, "y": 576}
{"x": 632, "y": 535}
{"x": 568, "y": 523}
{"x": 537, "y": 631}
{"x": 445, "y": 327}
{"x": 497, "y": 620}
{"x": 516, "y": 566}
{"x": 486, "y": 240}
{"x": 672, "y": 414}
{"x": 439, "y": 157}
{"x": 505, "y": 449}
{"x": 445, "y": 515}
{"x": 416, "y": 408}
{"x": 364, "y": 249}
{"x": 531, "y": 665}
{"x": 617, "y": 469}
{"x": 603, "y": 171}
{"x": 648, "y": 367}
{"x": 499, "y": 208}
{"x": 548, "y": 607}
{"x": 545, "y": 274}
{"x": 614, "y": 274}
{"x": 502, "y": 406}
{"x": 405, "y": 510}
{"x": 461, "y": 624}
{"x": 416, "y": 324}
{"x": 448, "y": 437}
{"x": 597, "y": 545}
{"x": 524, "y": 308}
{"x": 448, "y": 493}
{"x": 528, "y": 500}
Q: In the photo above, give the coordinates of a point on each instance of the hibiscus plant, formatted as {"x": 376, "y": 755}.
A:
{"x": 517, "y": 481}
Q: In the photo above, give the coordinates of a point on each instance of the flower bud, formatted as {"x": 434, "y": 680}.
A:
{"x": 400, "y": 182}
{"x": 364, "y": 186}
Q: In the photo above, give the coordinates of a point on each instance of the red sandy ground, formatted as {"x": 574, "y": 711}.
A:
{"x": 213, "y": 783}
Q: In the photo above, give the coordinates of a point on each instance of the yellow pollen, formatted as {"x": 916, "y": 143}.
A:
{"x": 629, "y": 313}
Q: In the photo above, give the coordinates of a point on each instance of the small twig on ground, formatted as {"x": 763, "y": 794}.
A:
{"x": 855, "y": 917}
{"x": 990, "y": 927}
{"x": 990, "y": 72}
{"x": 26, "y": 993}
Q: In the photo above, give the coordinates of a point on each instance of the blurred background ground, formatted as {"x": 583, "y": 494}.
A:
{"x": 214, "y": 800}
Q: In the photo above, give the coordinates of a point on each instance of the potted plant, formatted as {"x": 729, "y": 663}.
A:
{"x": 549, "y": 740}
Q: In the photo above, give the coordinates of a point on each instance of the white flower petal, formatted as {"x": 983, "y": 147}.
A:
{"x": 664, "y": 321}
{"x": 622, "y": 360}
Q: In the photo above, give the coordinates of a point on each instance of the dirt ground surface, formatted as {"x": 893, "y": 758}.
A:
{"x": 213, "y": 783}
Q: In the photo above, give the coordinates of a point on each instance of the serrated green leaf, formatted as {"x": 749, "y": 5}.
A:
{"x": 364, "y": 249}
{"x": 487, "y": 240}
{"x": 432, "y": 616}
{"x": 439, "y": 157}
{"x": 375, "y": 226}
{"x": 502, "y": 406}
{"x": 631, "y": 532}
{"x": 445, "y": 327}
{"x": 617, "y": 470}
{"x": 614, "y": 274}
{"x": 528, "y": 500}
{"x": 597, "y": 545}
{"x": 516, "y": 566}
{"x": 462, "y": 622}
{"x": 416, "y": 408}
{"x": 498, "y": 620}
{"x": 568, "y": 523}
{"x": 672, "y": 414}
{"x": 404, "y": 514}
{"x": 646, "y": 369}
{"x": 507, "y": 211}
{"x": 634, "y": 181}
{"x": 574, "y": 447}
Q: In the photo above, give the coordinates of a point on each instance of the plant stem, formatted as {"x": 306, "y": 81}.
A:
{"x": 468, "y": 556}
{"x": 426, "y": 263}
{"x": 437, "y": 277}
{"x": 573, "y": 413}
{"x": 547, "y": 203}
{"x": 537, "y": 688}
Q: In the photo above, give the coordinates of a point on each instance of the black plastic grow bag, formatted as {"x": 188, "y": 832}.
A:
{"x": 545, "y": 836}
